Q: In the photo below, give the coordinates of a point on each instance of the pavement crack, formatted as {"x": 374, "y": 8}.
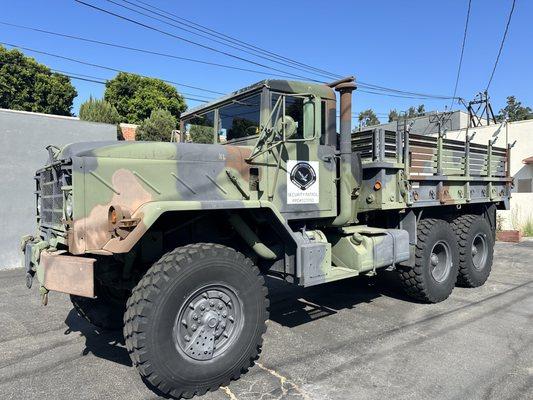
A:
{"x": 285, "y": 381}
{"x": 229, "y": 393}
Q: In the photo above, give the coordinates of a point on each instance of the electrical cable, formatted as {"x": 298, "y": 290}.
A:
{"x": 144, "y": 51}
{"x": 462, "y": 53}
{"x": 501, "y": 45}
{"x": 208, "y": 37}
{"x": 155, "y": 29}
{"x": 105, "y": 67}
{"x": 221, "y": 35}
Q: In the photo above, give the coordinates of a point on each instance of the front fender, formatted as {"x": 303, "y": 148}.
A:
{"x": 150, "y": 212}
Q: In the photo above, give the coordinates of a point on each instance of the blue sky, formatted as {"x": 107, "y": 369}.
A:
{"x": 408, "y": 45}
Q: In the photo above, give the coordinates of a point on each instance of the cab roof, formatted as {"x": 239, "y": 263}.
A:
{"x": 278, "y": 85}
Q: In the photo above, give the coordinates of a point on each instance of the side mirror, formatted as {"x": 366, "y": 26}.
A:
{"x": 287, "y": 126}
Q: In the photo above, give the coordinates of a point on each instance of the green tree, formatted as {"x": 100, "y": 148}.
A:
{"x": 515, "y": 111}
{"x": 29, "y": 86}
{"x": 413, "y": 112}
{"x": 368, "y": 118}
{"x": 135, "y": 97}
{"x": 393, "y": 115}
{"x": 201, "y": 134}
{"x": 158, "y": 127}
{"x": 96, "y": 110}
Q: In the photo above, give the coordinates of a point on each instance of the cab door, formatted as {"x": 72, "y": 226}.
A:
{"x": 301, "y": 172}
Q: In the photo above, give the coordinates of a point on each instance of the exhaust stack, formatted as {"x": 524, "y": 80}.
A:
{"x": 345, "y": 87}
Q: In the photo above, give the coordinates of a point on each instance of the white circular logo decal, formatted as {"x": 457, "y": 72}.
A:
{"x": 303, "y": 175}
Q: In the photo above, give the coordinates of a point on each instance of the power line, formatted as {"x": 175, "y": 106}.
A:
{"x": 501, "y": 45}
{"x": 462, "y": 53}
{"x": 208, "y": 36}
{"x": 171, "y": 56}
{"x": 145, "y": 51}
{"x": 93, "y": 79}
{"x": 401, "y": 96}
{"x": 421, "y": 95}
{"x": 375, "y": 87}
{"x": 104, "y": 67}
{"x": 155, "y": 29}
{"x": 206, "y": 29}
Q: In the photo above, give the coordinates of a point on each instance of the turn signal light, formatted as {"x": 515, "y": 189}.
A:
{"x": 113, "y": 218}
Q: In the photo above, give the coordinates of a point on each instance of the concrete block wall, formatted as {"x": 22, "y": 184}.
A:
{"x": 23, "y": 137}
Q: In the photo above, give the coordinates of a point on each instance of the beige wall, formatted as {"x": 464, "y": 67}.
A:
{"x": 522, "y": 132}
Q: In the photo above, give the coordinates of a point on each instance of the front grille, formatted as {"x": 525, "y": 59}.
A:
{"x": 50, "y": 195}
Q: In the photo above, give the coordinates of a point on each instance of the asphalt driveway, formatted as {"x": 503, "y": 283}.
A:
{"x": 356, "y": 339}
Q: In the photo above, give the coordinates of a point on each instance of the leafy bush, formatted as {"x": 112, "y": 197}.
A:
{"x": 158, "y": 127}
{"x": 96, "y": 110}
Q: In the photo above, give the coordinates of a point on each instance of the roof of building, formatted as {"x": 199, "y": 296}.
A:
{"x": 528, "y": 160}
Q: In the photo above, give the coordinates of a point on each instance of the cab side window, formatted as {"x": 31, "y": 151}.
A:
{"x": 240, "y": 119}
{"x": 294, "y": 108}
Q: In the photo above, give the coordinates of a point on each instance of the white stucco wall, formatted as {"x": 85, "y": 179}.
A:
{"x": 23, "y": 137}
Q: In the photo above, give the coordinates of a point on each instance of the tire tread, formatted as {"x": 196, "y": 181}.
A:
{"x": 145, "y": 293}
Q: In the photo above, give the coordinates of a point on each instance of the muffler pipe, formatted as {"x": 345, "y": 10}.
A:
{"x": 345, "y": 87}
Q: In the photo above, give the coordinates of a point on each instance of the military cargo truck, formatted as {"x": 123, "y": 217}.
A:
{"x": 172, "y": 240}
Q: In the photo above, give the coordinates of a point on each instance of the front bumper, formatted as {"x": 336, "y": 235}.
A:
{"x": 58, "y": 270}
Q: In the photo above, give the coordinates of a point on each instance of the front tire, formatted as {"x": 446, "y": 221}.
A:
{"x": 434, "y": 274}
{"x": 196, "y": 319}
{"x": 476, "y": 249}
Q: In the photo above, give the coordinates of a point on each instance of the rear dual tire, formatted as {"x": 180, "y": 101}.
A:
{"x": 475, "y": 240}
{"x": 448, "y": 253}
{"x": 434, "y": 274}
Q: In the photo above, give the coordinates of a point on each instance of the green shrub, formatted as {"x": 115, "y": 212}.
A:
{"x": 99, "y": 111}
{"x": 158, "y": 127}
{"x": 527, "y": 228}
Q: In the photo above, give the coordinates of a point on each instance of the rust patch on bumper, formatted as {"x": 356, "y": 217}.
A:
{"x": 68, "y": 274}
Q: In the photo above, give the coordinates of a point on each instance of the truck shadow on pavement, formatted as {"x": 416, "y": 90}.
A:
{"x": 290, "y": 306}
{"x": 108, "y": 345}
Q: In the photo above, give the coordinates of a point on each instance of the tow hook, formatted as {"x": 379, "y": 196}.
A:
{"x": 44, "y": 295}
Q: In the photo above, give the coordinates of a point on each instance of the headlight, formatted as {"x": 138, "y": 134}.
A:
{"x": 68, "y": 207}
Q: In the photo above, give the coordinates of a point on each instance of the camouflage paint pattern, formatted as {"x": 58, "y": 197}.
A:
{"x": 144, "y": 180}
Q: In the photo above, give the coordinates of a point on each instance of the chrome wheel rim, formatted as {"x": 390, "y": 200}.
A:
{"x": 440, "y": 261}
{"x": 479, "y": 251}
{"x": 208, "y": 322}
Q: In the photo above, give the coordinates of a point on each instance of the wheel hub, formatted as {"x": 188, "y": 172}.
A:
{"x": 208, "y": 322}
{"x": 440, "y": 261}
{"x": 479, "y": 251}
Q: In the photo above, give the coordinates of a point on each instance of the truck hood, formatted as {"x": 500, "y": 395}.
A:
{"x": 152, "y": 151}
